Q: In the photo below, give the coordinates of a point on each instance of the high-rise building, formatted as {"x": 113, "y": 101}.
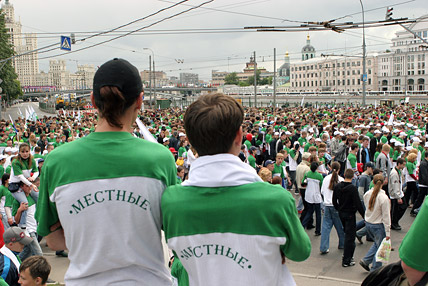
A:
{"x": 26, "y": 66}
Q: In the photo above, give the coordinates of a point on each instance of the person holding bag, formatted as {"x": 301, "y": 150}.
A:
{"x": 378, "y": 221}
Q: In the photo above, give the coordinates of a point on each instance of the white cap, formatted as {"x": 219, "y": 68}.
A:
{"x": 181, "y": 134}
{"x": 276, "y": 134}
{"x": 426, "y": 144}
{"x": 403, "y": 133}
{"x": 408, "y": 148}
{"x": 287, "y": 133}
{"x": 377, "y": 132}
{"x": 417, "y": 133}
{"x": 310, "y": 137}
{"x": 165, "y": 139}
{"x": 8, "y": 149}
{"x": 336, "y": 133}
{"x": 311, "y": 130}
{"x": 318, "y": 139}
{"x": 349, "y": 133}
{"x": 416, "y": 139}
{"x": 291, "y": 124}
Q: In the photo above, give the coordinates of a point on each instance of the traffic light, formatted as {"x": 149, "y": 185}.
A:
{"x": 388, "y": 15}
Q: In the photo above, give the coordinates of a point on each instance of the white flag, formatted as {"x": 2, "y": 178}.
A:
{"x": 303, "y": 99}
{"x": 145, "y": 132}
{"x": 20, "y": 112}
{"x": 391, "y": 119}
{"x": 375, "y": 104}
{"x": 27, "y": 115}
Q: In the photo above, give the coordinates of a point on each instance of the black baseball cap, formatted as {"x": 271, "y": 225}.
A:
{"x": 121, "y": 74}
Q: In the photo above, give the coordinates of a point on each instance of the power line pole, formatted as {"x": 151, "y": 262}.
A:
{"x": 255, "y": 80}
{"x": 150, "y": 79}
{"x": 364, "y": 59}
{"x": 274, "y": 77}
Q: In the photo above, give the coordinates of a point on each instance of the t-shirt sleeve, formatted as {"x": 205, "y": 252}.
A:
{"x": 34, "y": 167}
{"x": 17, "y": 168}
{"x": 46, "y": 212}
{"x": 415, "y": 240}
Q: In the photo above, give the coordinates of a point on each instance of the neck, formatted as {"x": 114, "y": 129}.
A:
{"x": 348, "y": 180}
{"x": 104, "y": 126}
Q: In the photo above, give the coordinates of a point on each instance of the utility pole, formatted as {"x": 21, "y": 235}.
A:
{"x": 274, "y": 77}
{"x": 364, "y": 59}
{"x": 255, "y": 80}
{"x": 150, "y": 80}
{"x": 154, "y": 80}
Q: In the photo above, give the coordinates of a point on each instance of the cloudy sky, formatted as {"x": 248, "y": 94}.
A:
{"x": 190, "y": 38}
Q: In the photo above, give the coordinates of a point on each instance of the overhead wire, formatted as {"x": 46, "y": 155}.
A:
{"x": 131, "y": 32}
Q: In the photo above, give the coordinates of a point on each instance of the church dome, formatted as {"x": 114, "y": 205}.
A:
{"x": 308, "y": 48}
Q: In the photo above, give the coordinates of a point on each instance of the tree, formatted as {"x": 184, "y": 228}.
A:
{"x": 231, "y": 78}
{"x": 250, "y": 79}
{"x": 10, "y": 85}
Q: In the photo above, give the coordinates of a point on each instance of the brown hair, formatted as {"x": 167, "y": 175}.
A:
{"x": 38, "y": 266}
{"x": 30, "y": 158}
{"x": 335, "y": 166}
{"x": 211, "y": 123}
{"x": 349, "y": 174}
{"x": 378, "y": 182}
{"x": 112, "y": 104}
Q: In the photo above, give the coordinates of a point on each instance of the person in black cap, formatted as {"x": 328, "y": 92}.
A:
{"x": 113, "y": 199}
{"x": 14, "y": 241}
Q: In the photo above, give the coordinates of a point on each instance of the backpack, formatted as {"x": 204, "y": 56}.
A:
{"x": 299, "y": 159}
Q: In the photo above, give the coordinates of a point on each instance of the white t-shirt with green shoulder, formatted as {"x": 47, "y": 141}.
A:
{"x": 105, "y": 189}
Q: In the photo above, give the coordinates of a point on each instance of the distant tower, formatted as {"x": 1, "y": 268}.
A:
{"x": 284, "y": 70}
{"x": 308, "y": 51}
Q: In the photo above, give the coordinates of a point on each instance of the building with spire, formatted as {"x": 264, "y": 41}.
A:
{"x": 308, "y": 51}
{"x": 283, "y": 77}
{"x": 26, "y": 66}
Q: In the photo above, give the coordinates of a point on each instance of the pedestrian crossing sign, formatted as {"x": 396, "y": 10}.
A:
{"x": 65, "y": 43}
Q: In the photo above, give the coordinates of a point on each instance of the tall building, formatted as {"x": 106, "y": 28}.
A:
{"x": 26, "y": 66}
{"x": 308, "y": 51}
{"x": 58, "y": 74}
{"x": 218, "y": 77}
{"x": 189, "y": 78}
{"x": 404, "y": 68}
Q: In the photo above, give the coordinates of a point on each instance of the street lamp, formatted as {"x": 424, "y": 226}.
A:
{"x": 154, "y": 76}
{"x": 364, "y": 58}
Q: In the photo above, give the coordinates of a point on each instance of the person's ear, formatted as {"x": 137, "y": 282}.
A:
{"x": 38, "y": 281}
{"x": 93, "y": 100}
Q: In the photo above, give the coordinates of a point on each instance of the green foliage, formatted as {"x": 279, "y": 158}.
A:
{"x": 231, "y": 78}
{"x": 10, "y": 85}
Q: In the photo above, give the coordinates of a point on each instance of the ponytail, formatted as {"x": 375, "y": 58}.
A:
{"x": 112, "y": 104}
{"x": 335, "y": 175}
{"x": 378, "y": 182}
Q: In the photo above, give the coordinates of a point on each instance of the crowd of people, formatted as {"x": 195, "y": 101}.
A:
{"x": 216, "y": 167}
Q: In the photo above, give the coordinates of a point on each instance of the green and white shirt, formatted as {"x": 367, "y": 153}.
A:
{"x": 105, "y": 189}
{"x": 229, "y": 228}
{"x": 21, "y": 171}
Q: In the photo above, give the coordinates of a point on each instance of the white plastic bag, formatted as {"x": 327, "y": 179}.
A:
{"x": 383, "y": 252}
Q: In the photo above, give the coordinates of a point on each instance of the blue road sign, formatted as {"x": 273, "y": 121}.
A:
{"x": 365, "y": 77}
{"x": 65, "y": 43}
